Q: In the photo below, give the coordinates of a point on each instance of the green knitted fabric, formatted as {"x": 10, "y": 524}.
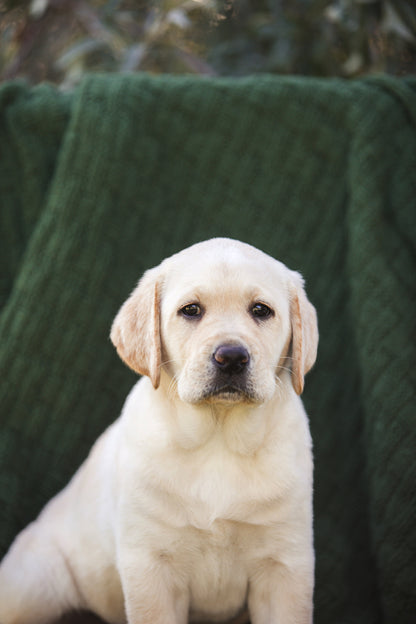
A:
{"x": 99, "y": 185}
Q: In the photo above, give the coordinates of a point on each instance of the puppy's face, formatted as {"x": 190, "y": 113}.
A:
{"x": 225, "y": 325}
{"x": 223, "y": 319}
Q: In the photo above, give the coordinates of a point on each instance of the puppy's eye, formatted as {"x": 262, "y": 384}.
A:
{"x": 191, "y": 310}
{"x": 261, "y": 311}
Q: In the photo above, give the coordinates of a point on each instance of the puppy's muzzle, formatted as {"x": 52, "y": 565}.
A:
{"x": 230, "y": 366}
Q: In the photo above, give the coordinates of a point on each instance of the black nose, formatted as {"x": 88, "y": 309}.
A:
{"x": 231, "y": 359}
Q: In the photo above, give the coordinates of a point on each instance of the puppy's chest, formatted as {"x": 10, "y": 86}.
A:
{"x": 200, "y": 489}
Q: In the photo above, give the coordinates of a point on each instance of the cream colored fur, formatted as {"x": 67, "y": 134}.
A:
{"x": 195, "y": 505}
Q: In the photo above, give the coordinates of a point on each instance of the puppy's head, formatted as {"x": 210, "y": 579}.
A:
{"x": 223, "y": 319}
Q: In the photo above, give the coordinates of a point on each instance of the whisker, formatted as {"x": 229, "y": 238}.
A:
{"x": 168, "y": 362}
{"x": 279, "y": 386}
{"x": 172, "y": 387}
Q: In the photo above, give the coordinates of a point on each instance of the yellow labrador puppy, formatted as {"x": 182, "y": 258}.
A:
{"x": 196, "y": 504}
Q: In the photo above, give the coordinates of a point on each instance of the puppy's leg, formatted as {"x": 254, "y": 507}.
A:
{"x": 36, "y": 584}
{"x": 152, "y": 591}
{"x": 280, "y": 595}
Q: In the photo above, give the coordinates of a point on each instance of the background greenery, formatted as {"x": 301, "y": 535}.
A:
{"x": 59, "y": 40}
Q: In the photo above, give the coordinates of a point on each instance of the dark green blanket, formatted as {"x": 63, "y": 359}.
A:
{"x": 101, "y": 184}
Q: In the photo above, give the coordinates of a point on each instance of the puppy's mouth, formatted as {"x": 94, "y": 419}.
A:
{"x": 228, "y": 393}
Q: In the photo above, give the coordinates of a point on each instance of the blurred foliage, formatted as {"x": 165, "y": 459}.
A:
{"x": 317, "y": 37}
{"x": 60, "y": 40}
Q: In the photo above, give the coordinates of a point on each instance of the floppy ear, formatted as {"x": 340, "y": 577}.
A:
{"x": 304, "y": 333}
{"x": 136, "y": 329}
